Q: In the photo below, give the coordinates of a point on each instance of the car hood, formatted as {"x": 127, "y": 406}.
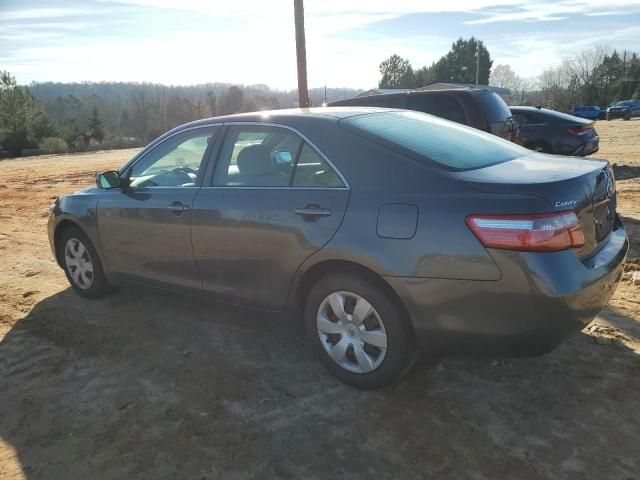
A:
{"x": 84, "y": 191}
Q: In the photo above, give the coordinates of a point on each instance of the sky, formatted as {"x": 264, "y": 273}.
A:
{"x": 182, "y": 42}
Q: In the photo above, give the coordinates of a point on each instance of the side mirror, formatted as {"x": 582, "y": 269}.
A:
{"x": 110, "y": 179}
{"x": 283, "y": 158}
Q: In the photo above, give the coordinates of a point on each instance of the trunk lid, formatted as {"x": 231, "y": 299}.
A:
{"x": 586, "y": 187}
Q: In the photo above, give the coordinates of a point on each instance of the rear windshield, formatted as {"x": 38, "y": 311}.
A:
{"x": 430, "y": 139}
{"x": 493, "y": 106}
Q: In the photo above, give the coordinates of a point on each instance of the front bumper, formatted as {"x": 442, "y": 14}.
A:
{"x": 51, "y": 228}
{"x": 616, "y": 114}
{"x": 540, "y": 300}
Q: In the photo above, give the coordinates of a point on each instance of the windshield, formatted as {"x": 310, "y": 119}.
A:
{"x": 433, "y": 140}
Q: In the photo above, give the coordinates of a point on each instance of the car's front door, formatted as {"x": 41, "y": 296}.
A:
{"x": 273, "y": 201}
{"x": 144, "y": 228}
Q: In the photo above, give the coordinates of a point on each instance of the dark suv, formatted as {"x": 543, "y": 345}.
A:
{"x": 476, "y": 107}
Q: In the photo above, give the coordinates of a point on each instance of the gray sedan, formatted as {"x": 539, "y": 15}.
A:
{"x": 389, "y": 232}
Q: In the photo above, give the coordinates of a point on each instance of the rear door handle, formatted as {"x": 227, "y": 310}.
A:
{"x": 312, "y": 212}
{"x": 177, "y": 207}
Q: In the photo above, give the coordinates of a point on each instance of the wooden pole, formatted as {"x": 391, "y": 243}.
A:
{"x": 477, "y": 61}
{"x": 301, "y": 54}
{"x": 624, "y": 64}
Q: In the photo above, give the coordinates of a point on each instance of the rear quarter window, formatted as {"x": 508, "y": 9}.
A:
{"x": 432, "y": 140}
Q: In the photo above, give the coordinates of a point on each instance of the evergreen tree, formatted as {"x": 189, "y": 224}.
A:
{"x": 462, "y": 62}
{"x": 95, "y": 128}
{"x": 18, "y": 109}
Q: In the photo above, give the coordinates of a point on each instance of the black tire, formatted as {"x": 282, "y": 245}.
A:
{"x": 627, "y": 117}
{"x": 400, "y": 353}
{"x": 98, "y": 285}
{"x": 539, "y": 147}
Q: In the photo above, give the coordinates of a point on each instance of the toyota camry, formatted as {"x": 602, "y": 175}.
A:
{"x": 388, "y": 232}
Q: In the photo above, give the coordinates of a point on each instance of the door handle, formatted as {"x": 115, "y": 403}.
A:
{"x": 312, "y": 212}
{"x": 177, "y": 207}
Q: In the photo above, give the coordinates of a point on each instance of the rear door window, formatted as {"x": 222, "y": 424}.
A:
{"x": 313, "y": 171}
{"x": 520, "y": 119}
{"x": 269, "y": 156}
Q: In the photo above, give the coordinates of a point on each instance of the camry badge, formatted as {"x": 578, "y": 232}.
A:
{"x": 565, "y": 203}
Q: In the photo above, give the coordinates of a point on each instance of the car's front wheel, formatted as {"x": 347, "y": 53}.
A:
{"x": 359, "y": 333}
{"x": 81, "y": 263}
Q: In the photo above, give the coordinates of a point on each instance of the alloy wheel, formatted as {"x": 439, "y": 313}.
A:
{"x": 78, "y": 262}
{"x": 352, "y": 332}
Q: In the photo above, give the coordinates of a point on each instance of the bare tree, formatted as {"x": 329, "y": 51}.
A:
{"x": 144, "y": 113}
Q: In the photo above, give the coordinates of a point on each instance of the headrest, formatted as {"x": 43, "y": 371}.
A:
{"x": 255, "y": 160}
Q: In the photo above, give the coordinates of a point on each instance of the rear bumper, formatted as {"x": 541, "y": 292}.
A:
{"x": 589, "y": 146}
{"x": 540, "y": 300}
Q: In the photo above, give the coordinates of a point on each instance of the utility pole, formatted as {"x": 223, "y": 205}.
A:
{"x": 301, "y": 54}
{"x": 477, "y": 61}
{"x": 624, "y": 62}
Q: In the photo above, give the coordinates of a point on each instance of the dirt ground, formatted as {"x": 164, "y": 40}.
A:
{"x": 149, "y": 385}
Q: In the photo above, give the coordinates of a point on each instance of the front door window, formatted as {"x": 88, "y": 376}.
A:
{"x": 176, "y": 162}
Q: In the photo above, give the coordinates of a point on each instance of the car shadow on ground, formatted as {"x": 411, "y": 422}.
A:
{"x": 625, "y": 172}
{"x": 145, "y": 384}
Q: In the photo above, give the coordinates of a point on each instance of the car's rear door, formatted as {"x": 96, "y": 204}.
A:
{"x": 273, "y": 200}
{"x": 144, "y": 228}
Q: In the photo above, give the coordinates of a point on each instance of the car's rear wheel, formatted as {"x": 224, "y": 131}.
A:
{"x": 81, "y": 263}
{"x": 359, "y": 333}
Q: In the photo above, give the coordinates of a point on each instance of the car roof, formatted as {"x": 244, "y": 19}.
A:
{"x": 284, "y": 115}
{"x": 547, "y": 112}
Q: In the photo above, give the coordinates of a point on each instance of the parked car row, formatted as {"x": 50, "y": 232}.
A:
{"x": 626, "y": 110}
{"x": 478, "y": 108}
{"x": 592, "y": 112}
{"x": 387, "y": 232}
{"x": 538, "y": 129}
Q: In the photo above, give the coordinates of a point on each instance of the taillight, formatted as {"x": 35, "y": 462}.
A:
{"x": 579, "y": 130}
{"x": 543, "y": 233}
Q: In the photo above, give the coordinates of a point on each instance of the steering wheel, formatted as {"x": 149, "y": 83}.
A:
{"x": 186, "y": 170}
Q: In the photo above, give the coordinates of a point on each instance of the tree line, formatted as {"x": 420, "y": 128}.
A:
{"x": 459, "y": 65}
{"x": 61, "y": 117}
{"x": 594, "y": 76}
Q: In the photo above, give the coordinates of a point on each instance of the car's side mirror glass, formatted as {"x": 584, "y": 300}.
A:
{"x": 109, "y": 179}
{"x": 283, "y": 158}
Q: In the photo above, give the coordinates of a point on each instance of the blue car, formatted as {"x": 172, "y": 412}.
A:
{"x": 591, "y": 112}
